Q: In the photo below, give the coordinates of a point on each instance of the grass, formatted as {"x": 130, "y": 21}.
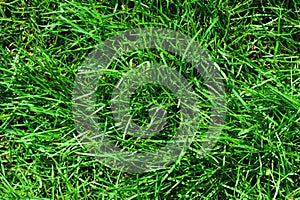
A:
{"x": 255, "y": 43}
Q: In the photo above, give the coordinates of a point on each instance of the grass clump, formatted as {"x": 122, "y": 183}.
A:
{"x": 255, "y": 43}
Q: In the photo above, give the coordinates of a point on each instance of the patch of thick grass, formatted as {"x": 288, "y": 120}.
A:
{"x": 256, "y": 44}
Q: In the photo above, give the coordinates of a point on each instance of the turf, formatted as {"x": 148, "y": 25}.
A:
{"x": 255, "y": 43}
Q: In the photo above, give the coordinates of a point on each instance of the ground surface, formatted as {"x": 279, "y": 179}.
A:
{"x": 256, "y": 44}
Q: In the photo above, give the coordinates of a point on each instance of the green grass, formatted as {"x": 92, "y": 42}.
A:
{"x": 257, "y": 46}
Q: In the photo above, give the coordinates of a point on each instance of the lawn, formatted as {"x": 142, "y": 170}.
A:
{"x": 256, "y": 45}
